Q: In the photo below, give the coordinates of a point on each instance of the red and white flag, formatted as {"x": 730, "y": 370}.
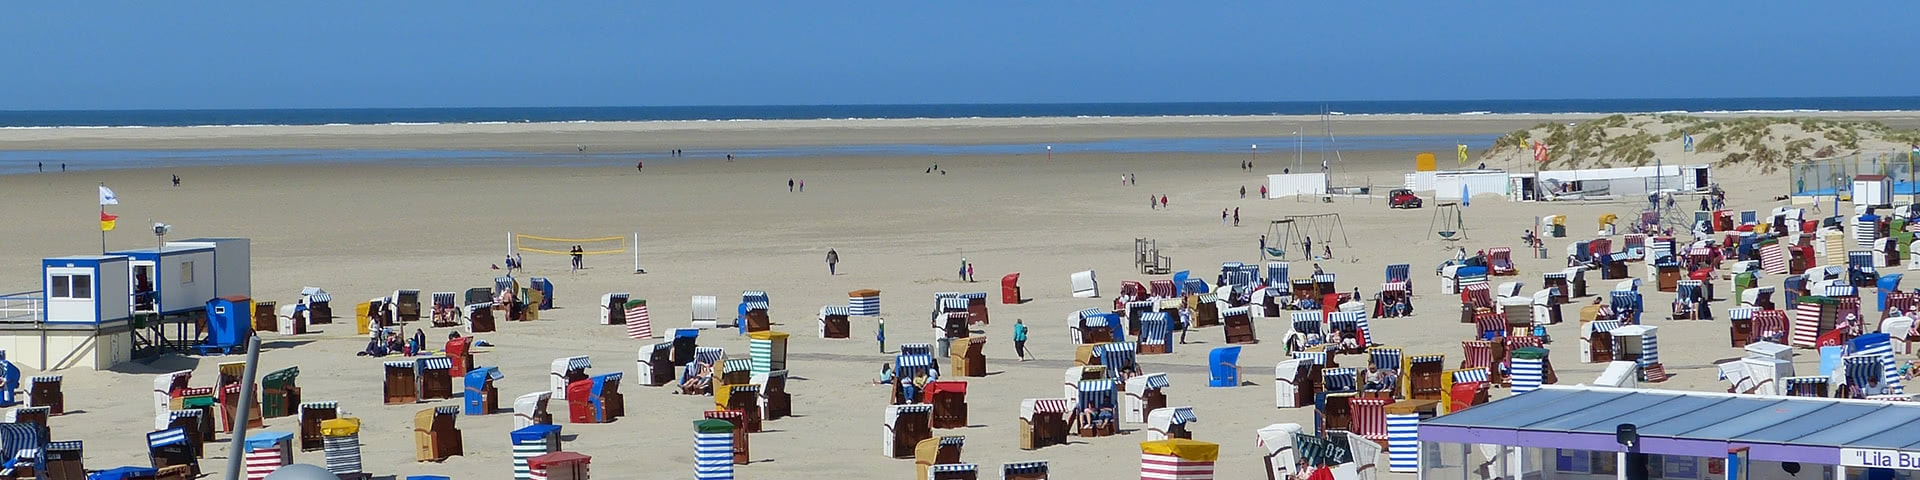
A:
{"x": 1539, "y": 152}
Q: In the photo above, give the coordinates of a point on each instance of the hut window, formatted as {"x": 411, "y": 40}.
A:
{"x": 186, "y": 273}
{"x": 72, "y": 286}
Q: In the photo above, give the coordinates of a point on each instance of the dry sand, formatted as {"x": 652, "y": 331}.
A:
{"x": 716, "y": 228}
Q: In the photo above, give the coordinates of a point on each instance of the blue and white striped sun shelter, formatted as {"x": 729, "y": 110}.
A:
{"x": 866, "y": 305}
{"x": 21, "y": 443}
{"x": 1351, "y": 321}
{"x": 1400, "y": 272}
{"x": 1403, "y": 442}
{"x": 1528, "y": 373}
{"x": 532, "y": 441}
{"x": 1277, "y": 274}
{"x": 1338, "y": 380}
{"x": 1880, "y": 345}
{"x": 1118, "y": 357}
{"x": 712, "y": 450}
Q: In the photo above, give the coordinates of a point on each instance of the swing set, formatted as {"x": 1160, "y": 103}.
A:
{"x": 1448, "y": 222}
{"x": 1295, "y": 230}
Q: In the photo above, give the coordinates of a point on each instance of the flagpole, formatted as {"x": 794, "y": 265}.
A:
{"x": 103, "y": 231}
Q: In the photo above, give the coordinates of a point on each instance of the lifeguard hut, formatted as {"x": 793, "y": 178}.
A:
{"x": 86, "y": 319}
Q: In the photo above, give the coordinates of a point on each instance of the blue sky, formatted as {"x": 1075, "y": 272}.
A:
{"x": 431, "y": 53}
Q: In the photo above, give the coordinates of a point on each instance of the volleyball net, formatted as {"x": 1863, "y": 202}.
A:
{"x": 525, "y": 243}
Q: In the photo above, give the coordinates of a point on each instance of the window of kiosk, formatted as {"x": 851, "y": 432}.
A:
{"x": 186, "y": 273}
{"x": 76, "y": 287}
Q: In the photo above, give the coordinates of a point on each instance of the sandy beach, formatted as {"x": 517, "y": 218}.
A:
{"x": 712, "y": 227}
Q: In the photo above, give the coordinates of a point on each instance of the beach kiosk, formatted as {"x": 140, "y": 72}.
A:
{"x": 713, "y": 449}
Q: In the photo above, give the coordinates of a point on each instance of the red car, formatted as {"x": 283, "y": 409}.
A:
{"x": 1403, "y": 198}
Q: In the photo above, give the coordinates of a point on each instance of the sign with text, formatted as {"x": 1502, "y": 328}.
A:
{"x": 1867, "y": 457}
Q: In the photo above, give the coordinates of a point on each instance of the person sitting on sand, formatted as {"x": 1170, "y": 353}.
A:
{"x": 375, "y": 348}
{"x": 886, "y": 375}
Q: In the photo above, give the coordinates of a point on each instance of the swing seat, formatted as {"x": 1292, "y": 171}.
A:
{"x": 1446, "y": 234}
{"x": 1276, "y": 252}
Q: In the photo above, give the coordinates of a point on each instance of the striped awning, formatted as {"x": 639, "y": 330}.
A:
{"x": 953, "y": 467}
{"x": 1051, "y": 405}
{"x": 1023, "y": 468}
{"x": 320, "y": 405}
{"x": 1158, "y": 380}
{"x": 1184, "y": 415}
{"x": 436, "y": 363}
{"x": 708, "y": 355}
{"x": 1240, "y": 311}
{"x": 1427, "y": 359}
{"x": 757, "y": 305}
{"x": 171, "y": 436}
{"x": 1338, "y": 380}
{"x": 18, "y": 437}
{"x": 452, "y": 410}
{"x": 1313, "y": 358}
{"x": 1323, "y": 278}
{"x": 399, "y": 364}
{"x": 1209, "y": 297}
{"x": 179, "y": 414}
{"x": 64, "y": 446}
{"x": 1393, "y": 287}
{"x": 835, "y": 310}
{"x": 1142, "y": 304}
{"x": 1841, "y": 290}
{"x": 916, "y": 348}
{"x": 1741, "y": 313}
{"x": 1385, "y": 358}
{"x": 575, "y": 363}
{"x": 1095, "y": 321}
{"x": 950, "y": 304}
{"x": 912, "y": 408}
{"x": 736, "y": 365}
{"x": 913, "y": 360}
{"x": 1096, "y": 385}
{"x": 974, "y": 295}
{"x": 953, "y": 441}
{"x": 750, "y": 295}
{"x": 939, "y": 295}
{"x": 44, "y": 379}
{"x": 1470, "y": 375}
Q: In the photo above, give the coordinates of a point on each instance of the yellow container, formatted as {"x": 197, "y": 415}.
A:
{"x": 1424, "y": 162}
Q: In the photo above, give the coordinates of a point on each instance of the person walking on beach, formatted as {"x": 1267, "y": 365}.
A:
{"x": 833, "y": 259}
{"x": 1263, "y": 244}
{"x": 1223, "y": 217}
{"x": 1263, "y": 191}
{"x": 1163, "y": 201}
{"x": 1236, "y": 216}
{"x": 964, "y": 265}
{"x": 42, "y": 165}
{"x": 803, "y": 185}
{"x": 639, "y": 166}
{"x": 789, "y": 185}
{"x": 970, "y": 273}
{"x": 1243, "y": 192}
{"x": 579, "y": 258}
{"x": 1020, "y": 339}
{"x": 1152, "y": 203}
{"x": 176, "y": 180}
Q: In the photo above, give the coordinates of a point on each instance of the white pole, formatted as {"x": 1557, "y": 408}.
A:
{"x": 636, "y": 252}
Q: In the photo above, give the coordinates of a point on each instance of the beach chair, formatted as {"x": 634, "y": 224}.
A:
{"x": 1097, "y": 328}
{"x": 341, "y": 437}
{"x": 904, "y": 428}
{"x": 656, "y": 364}
{"x": 64, "y": 460}
{"x": 229, "y": 400}
{"x": 775, "y": 402}
{"x": 743, "y": 399}
{"x": 970, "y": 358}
{"x": 1464, "y": 388}
{"x": 480, "y": 318}
{"x": 1224, "y": 367}
{"x": 312, "y": 417}
{"x": 165, "y": 448}
{"x": 1500, "y": 262}
{"x": 1144, "y": 394}
{"x": 319, "y": 305}
{"x": 1807, "y": 386}
{"x": 596, "y": 399}
{"x": 638, "y": 319}
{"x": 266, "y": 317}
{"x": 977, "y": 307}
{"x": 282, "y": 393}
{"x": 1170, "y": 422}
{"x": 1238, "y": 327}
{"x": 401, "y": 385}
{"x": 406, "y": 306}
{"x": 44, "y": 391}
{"x": 531, "y": 409}
{"x": 753, "y": 316}
{"x": 1024, "y": 470}
{"x": 434, "y": 436}
{"x": 949, "y": 400}
{"x": 953, "y": 471}
{"x": 480, "y": 397}
{"x": 706, "y": 312}
{"x": 685, "y": 345}
{"x": 833, "y": 322}
{"x": 1043, "y": 422}
{"x": 435, "y": 375}
{"x": 446, "y": 310}
{"x": 613, "y": 308}
{"x": 564, "y": 371}
{"x": 1099, "y": 395}
{"x": 459, "y": 351}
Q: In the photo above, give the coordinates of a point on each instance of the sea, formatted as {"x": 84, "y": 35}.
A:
{"x": 23, "y": 161}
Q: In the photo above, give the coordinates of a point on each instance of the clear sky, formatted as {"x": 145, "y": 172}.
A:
{"x": 434, "y": 53}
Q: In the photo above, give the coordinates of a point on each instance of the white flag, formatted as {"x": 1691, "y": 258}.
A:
{"x": 107, "y": 197}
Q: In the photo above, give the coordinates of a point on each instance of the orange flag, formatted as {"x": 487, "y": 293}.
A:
{"x": 107, "y": 221}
